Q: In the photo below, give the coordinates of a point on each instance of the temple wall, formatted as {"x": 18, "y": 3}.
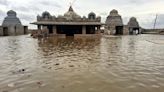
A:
{"x": 11, "y": 31}
{"x": 112, "y": 30}
{"x": 19, "y": 30}
{"x": 125, "y": 30}
{"x": 58, "y": 35}
{"x": 87, "y": 35}
{"x": 14, "y": 30}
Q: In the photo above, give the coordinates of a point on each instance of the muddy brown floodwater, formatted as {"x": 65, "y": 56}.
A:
{"x": 107, "y": 64}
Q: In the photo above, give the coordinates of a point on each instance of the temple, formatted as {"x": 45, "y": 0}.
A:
{"x": 70, "y": 24}
{"x": 12, "y": 25}
{"x": 114, "y": 25}
{"x": 134, "y": 26}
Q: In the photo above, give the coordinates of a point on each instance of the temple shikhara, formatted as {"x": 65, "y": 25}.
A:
{"x": 70, "y": 24}
{"x": 12, "y": 25}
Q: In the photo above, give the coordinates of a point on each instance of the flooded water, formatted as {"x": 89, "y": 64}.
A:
{"x": 107, "y": 64}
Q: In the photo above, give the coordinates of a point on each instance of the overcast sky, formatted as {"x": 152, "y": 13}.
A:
{"x": 144, "y": 10}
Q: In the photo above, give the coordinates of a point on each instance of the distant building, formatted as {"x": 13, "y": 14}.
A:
{"x": 114, "y": 25}
{"x": 70, "y": 24}
{"x": 133, "y": 26}
{"x": 12, "y": 25}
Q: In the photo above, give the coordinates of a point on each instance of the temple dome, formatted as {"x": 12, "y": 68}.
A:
{"x": 70, "y": 14}
{"x": 91, "y": 15}
{"x": 11, "y": 19}
{"x": 133, "y": 19}
{"x": 11, "y": 13}
{"x": 45, "y": 13}
{"x": 114, "y": 12}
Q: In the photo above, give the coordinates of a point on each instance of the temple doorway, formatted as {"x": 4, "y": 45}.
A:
{"x": 134, "y": 31}
{"x": 5, "y": 31}
{"x": 90, "y": 29}
{"x": 50, "y": 29}
{"x": 69, "y": 30}
{"x": 119, "y": 30}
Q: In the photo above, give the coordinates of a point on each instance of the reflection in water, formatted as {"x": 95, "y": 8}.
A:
{"x": 116, "y": 64}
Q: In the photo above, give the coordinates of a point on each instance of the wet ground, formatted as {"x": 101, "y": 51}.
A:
{"x": 107, "y": 64}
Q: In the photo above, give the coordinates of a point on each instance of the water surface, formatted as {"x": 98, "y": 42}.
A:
{"x": 107, "y": 64}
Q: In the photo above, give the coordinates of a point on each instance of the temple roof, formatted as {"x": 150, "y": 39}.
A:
{"x": 69, "y": 18}
{"x": 66, "y": 23}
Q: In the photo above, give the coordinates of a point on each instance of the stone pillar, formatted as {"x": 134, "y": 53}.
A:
{"x": 83, "y": 29}
{"x": 98, "y": 30}
{"x": 54, "y": 30}
{"x": 45, "y": 31}
{"x": 125, "y": 30}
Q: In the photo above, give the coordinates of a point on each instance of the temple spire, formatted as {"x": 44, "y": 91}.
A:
{"x": 70, "y": 8}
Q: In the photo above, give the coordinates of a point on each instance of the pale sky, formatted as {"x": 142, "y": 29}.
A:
{"x": 144, "y": 10}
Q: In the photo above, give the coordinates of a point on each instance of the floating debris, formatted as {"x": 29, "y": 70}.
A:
{"x": 22, "y": 70}
{"x": 71, "y": 65}
{"x": 11, "y": 85}
{"x": 40, "y": 84}
{"x": 57, "y": 64}
{"x": 19, "y": 71}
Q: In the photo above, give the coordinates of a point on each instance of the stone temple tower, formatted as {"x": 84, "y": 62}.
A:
{"x": 12, "y": 25}
{"x": 11, "y": 19}
{"x": 114, "y": 23}
{"x": 133, "y": 26}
